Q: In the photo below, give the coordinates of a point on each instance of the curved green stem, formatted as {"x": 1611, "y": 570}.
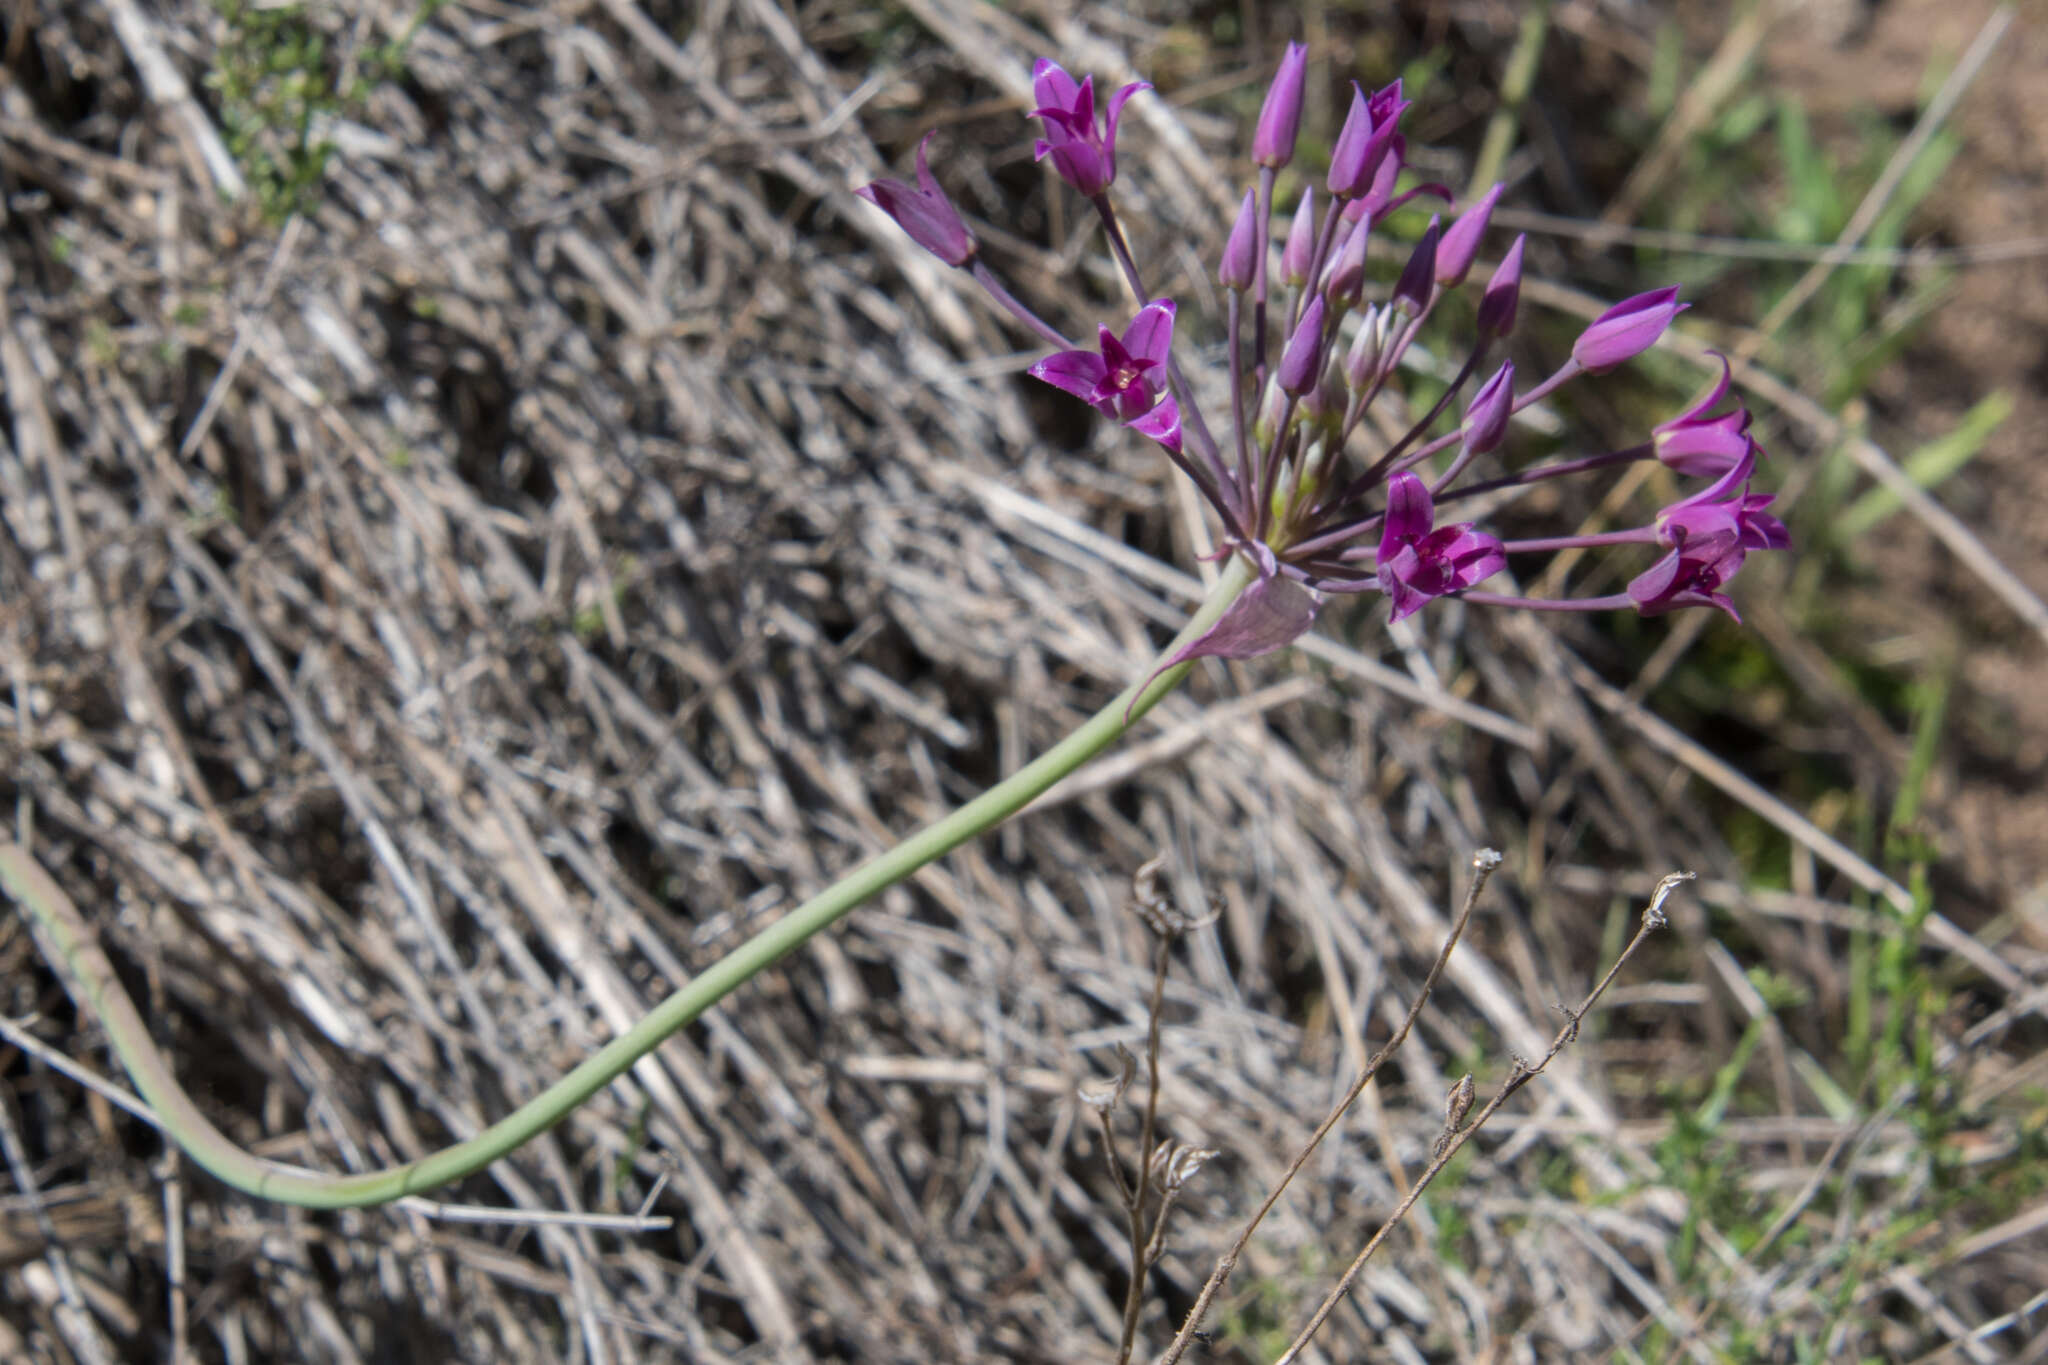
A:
{"x": 72, "y": 942}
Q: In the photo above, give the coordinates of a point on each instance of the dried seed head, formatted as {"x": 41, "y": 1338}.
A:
{"x": 1458, "y": 1102}
{"x": 1104, "y": 1093}
{"x": 1654, "y": 916}
{"x": 1157, "y": 907}
{"x": 1173, "y": 1164}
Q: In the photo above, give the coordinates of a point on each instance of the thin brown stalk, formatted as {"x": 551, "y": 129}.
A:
{"x": 1521, "y": 1074}
{"x": 1484, "y": 862}
{"x": 1144, "y": 1238}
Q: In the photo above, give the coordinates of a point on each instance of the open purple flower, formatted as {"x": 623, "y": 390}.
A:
{"x": 1701, "y": 446}
{"x": 925, "y": 212}
{"x": 1126, "y": 379}
{"x": 1417, "y": 561}
{"x": 1692, "y": 575}
{"x": 1083, "y": 153}
{"x": 1369, "y": 133}
{"x": 1728, "y": 507}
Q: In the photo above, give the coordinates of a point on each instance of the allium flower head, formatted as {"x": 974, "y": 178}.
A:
{"x": 1126, "y": 377}
{"x": 924, "y": 212}
{"x": 1083, "y": 153}
{"x": 1314, "y": 501}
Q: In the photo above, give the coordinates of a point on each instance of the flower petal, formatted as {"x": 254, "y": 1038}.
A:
{"x": 1078, "y": 372}
{"x": 1150, "y": 336}
{"x": 1410, "y": 509}
{"x": 1162, "y": 424}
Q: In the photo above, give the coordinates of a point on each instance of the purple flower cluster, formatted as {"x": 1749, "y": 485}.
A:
{"x": 1312, "y": 514}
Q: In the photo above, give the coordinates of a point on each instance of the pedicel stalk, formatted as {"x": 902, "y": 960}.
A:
{"x": 1307, "y": 504}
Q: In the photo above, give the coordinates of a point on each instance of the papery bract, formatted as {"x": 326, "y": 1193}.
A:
{"x": 1083, "y": 153}
{"x": 1274, "y": 611}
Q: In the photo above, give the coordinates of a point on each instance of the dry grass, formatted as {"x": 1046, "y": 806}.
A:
{"x": 434, "y": 629}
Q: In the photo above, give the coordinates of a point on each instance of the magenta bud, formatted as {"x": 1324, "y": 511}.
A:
{"x": 1347, "y": 277}
{"x": 1363, "y": 143}
{"x": 925, "y": 212}
{"x": 1301, "y": 241}
{"x": 1411, "y": 291}
{"x": 1299, "y": 365}
{"x": 1486, "y": 419}
{"x": 1461, "y": 242}
{"x": 1280, "y": 116}
{"x": 1241, "y": 251}
{"x": 1626, "y": 330}
{"x": 1503, "y": 292}
{"x": 1362, "y": 361}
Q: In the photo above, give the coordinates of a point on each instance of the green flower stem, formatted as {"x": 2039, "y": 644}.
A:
{"x": 72, "y": 942}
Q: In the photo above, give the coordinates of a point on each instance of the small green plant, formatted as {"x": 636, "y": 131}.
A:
{"x": 278, "y": 81}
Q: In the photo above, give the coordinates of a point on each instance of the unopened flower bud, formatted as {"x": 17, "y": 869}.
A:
{"x": 1347, "y": 277}
{"x": 1362, "y": 360}
{"x": 1626, "y": 330}
{"x": 1272, "y": 407}
{"x": 1461, "y": 241}
{"x": 1280, "y": 116}
{"x": 1503, "y": 292}
{"x": 1325, "y": 402}
{"x": 1240, "y": 252}
{"x": 925, "y": 212}
{"x": 1301, "y": 241}
{"x": 1411, "y": 292}
{"x": 1299, "y": 363}
{"x": 1486, "y": 419}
